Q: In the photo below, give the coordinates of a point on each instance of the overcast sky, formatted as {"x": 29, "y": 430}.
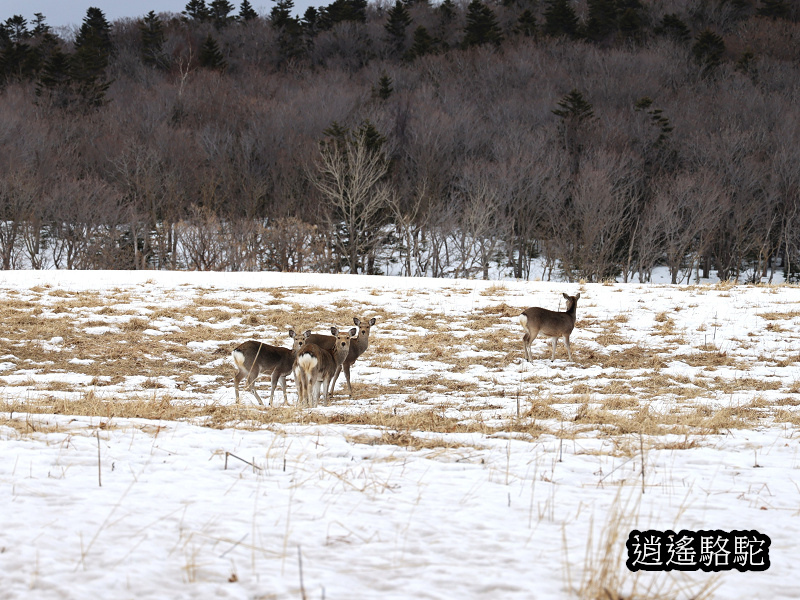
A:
{"x": 60, "y": 13}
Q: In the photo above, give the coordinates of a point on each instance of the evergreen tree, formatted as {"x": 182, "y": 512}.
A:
{"x": 210, "y": 55}
{"x": 196, "y": 10}
{"x": 601, "y": 19}
{"x": 15, "y": 29}
{"x": 281, "y": 13}
{"x": 482, "y": 27}
{"x": 422, "y": 44}
{"x": 774, "y": 9}
{"x": 152, "y": 31}
{"x": 575, "y": 107}
{"x": 447, "y": 11}
{"x": 93, "y": 41}
{"x": 526, "y": 24}
{"x": 246, "y": 11}
{"x": 41, "y": 27}
{"x": 55, "y": 82}
{"x": 310, "y": 21}
{"x": 219, "y": 11}
{"x": 657, "y": 118}
{"x": 290, "y": 37}
{"x": 397, "y": 22}
{"x": 560, "y": 19}
{"x": 385, "y": 88}
{"x": 343, "y": 10}
{"x": 671, "y": 25}
{"x": 708, "y": 50}
{"x": 92, "y": 53}
{"x": 575, "y": 112}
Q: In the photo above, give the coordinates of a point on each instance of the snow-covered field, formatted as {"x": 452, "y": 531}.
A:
{"x": 457, "y": 470}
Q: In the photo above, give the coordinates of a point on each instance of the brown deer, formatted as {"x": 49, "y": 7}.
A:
{"x": 251, "y": 358}
{"x": 315, "y": 366}
{"x": 358, "y": 346}
{"x": 552, "y": 324}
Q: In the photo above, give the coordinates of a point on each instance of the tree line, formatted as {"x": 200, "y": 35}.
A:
{"x": 589, "y": 140}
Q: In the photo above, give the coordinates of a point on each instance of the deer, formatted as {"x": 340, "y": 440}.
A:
{"x": 358, "y": 346}
{"x": 552, "y": 324}
{"x": 251, "y": 358}
{"x": 314, "y": 366}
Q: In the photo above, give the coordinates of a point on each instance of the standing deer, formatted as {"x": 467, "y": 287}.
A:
{"x": 251, "y": 358}
{"x": 552, "y": 324}
{"x": 358, "y": 346}
{"x": 315, "y": 366}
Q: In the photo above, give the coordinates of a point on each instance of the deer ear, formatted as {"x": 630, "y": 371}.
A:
{"x": 307, "y": 333}
{"x": 292, "y": 333}
{"x": 372, "y": 321}
{"x": 334, "y": 331}
{"x": 353, "y": 332}
{"x": 565, "y": 296}
{"x": 357, "y": 321}
{"x": 578, "y": 297}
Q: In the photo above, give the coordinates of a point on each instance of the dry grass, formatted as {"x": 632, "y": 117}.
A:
{"x": 43, "y": 333}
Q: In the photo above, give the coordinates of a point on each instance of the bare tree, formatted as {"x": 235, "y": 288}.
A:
{"x": 350, "y": 176}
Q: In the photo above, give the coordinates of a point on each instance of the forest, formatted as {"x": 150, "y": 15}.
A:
{"x": 554, "y": 139}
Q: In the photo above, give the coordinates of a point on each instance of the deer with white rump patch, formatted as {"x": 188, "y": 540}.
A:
{"x": 552, "y": 324}
{"x": 315, "y": 366}
{"x": 358, "y": 346}
{"x": 252, "y": 358}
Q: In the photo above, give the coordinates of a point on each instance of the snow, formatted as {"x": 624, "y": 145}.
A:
{"x": 136, "y": 508}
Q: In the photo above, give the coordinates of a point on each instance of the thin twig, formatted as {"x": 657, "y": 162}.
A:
{"x": 227, "y": 454}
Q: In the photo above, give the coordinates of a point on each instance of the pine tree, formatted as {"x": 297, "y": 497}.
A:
{"x": 575, "y": 112}
{"x": 219, "y": 11}
{"x": 281, "y": 13}
{"x": 482, "y": 27}
{"x": 55, "y": 82}
{"x": 708, "y": 50}
{"x": 602, "y": 18}
{"x": 447, "y": 11}
{"x": 385, "y": 88}
{"x": 196, "y": 10}
{"x": 526, "y": 24}
{"x": 396, "y": 24}
{"x": 92, "y": 52}
{"x": 574, "y": 106}
{"x": 774, "y": 9}
{"x": 343, "y": 10}
{"x": 16, "y": 28}
{"x": 246, "y": 11}
{"x": 671, "y": 25}
{"x": 421, "y": 45}
{"x": 560, "y": 19}
{"x": 152, "y": 32}
{"x": 41, "y": 27}
{"x": 656, "y": 117}
{"x": 210, "y": 55}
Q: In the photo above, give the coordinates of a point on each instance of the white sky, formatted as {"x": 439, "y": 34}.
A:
{"x": 61, "y": 13}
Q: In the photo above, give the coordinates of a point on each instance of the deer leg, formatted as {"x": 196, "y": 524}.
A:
{"x": 553, "y": 355}
{"x": 276, "y": 377}
{"x": 255, "y": 393}
{"x": 526, "y": 346}
{"x": 283, "y": 385}
{"x": 566, "y": 343}
{"x": 333, "y": 380}
{"x": 347, "y": 377}
{"x": 237, "y": 377}
{"x": 315, "y": 389}
{"x": 251, "y": 381}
